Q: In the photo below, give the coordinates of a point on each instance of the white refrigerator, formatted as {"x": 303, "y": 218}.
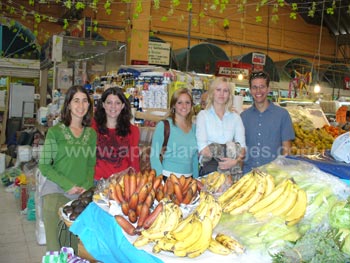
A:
{"x": 21, "y": 100}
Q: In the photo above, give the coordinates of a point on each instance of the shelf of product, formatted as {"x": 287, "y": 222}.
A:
{"x": 253, "y": 220}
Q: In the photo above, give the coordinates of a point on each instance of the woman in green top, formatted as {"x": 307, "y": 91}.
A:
{"x": 67, "y": 160}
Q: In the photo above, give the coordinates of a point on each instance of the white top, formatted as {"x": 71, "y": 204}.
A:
{"x": 211, "y": 129}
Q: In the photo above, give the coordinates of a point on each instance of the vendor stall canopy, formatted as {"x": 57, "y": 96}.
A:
{"x": 17, "y": 41}
{"x": 334, "y": 74}
{"x": 203, "y": 58}
{"x": 286, "y": 68}
{"x": 269, "y": 66}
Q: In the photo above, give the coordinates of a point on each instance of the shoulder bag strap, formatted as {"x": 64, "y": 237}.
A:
{"x": 166, "y": 135}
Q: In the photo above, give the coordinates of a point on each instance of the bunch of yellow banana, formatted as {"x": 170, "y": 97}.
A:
{"x": 246, "y": 192}
{"x": 192, "y": 235}
{"x": 190, "y": 239}
{"x": 213, "y": 181}
{"x": 287, "y": 201}
{"x": 208, "y": 206}
{"x": 167, "y": 220}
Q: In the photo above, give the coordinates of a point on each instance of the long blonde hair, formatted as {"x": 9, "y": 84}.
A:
{"x": 213, "y": 85}
{"x": 174, "y": 99}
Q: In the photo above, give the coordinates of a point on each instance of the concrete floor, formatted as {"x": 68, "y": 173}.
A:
{"x": 17, "y": 234}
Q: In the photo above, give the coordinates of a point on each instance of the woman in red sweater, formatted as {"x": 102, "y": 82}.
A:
{"x": 117, "y": 139}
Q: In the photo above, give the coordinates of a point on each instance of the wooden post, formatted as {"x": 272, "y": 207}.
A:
{"x": 138, "y": 32}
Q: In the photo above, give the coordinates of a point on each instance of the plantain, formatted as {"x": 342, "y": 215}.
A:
{"x": 288, "y": 204}
{"x": 185, "y": 242}
{"x": 275, "y": 194}
{"x": 234, "y": 188}
{"x": 203, "y": 242}
{"x": 141, "y": 241}
{"x": 217, "y": 248}
{"x": 241, "y": 196}
{"x": 230, "y": 243}
{"x": 276, "y": 204}
{"x": 254, "y": 198}
{"x": 297, "y": 212}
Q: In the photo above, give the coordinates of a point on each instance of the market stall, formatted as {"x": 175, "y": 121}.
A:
{"x": 106, "y": 239}
{"x": 300, "y": 200}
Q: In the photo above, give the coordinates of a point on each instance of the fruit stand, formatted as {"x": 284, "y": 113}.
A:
{"x": 249, "y": 221}
{"x": 313, "y": 134}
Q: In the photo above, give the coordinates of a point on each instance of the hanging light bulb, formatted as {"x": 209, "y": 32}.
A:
{"x": 240, "y": 76}
{"x": 317, "y": 87}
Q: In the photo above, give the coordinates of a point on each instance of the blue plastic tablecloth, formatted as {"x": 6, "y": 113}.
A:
{"x": 104, "y": 240}
{"x": 325, "y": 162}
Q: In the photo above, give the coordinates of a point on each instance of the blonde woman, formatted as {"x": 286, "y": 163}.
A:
{"x": 219, "y": 124}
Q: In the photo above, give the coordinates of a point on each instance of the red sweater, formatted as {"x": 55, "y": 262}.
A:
{"x": 116, "y": 153}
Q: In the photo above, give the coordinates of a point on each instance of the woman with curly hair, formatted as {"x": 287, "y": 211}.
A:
{"x": 117, "y": 139}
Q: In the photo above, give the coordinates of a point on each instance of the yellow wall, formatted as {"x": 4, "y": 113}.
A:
{"x": 294, "y": 37}
{"x": 285, "y": 39}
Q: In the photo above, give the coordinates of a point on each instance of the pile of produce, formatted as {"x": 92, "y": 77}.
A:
{"x": 334, "y": 131}
{"x": 321, "y": 244}
{"x": 270, "y": 229}
{"x": 274, "y": 211}
{"x": 311, "y": 141}
{"x": 315, "y": 247}
{"x": 74, "y": 208}
{"x": 136, "y": 194}
{"x": 308, "y": 138}
{"x": 215, "y": 183}
{"x": 190, "y": 236}
{"x": 262, "y": 210}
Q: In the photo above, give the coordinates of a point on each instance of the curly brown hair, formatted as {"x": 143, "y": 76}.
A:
{"x": 123, "y": 122}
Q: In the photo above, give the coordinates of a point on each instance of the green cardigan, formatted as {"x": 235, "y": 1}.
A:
{"x": 68, "y": 161}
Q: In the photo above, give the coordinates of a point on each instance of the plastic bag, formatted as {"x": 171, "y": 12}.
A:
{"x": 341, "y": 148}
{"x": 325, "y": 162}
{"x": 65, "y": 255}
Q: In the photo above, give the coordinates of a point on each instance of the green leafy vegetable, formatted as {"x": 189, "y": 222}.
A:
{"x": 339, "y": 216}
{"x": 313, "y": 247}
{"x": 346, "y": 245}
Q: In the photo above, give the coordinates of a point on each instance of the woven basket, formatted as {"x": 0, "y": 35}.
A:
{"x": 64, "y": 217}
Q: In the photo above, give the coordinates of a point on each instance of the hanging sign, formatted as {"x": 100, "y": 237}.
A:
{"x": 258, "y": 58}
{"x": 57, "y": 48}
{"x": 229, "y": 69}
{"x": 158, "y": 53}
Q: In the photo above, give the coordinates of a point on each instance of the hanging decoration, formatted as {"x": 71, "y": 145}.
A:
{"x": 299, "y": 84}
